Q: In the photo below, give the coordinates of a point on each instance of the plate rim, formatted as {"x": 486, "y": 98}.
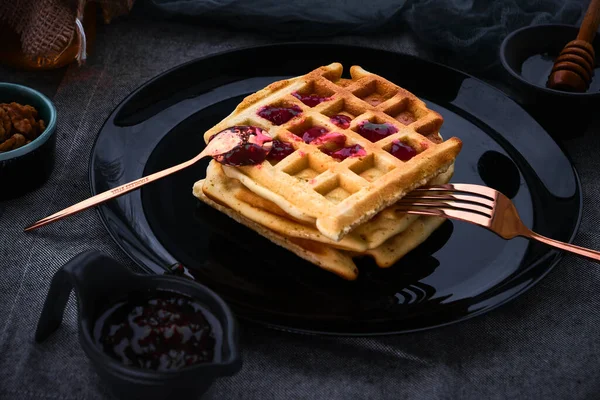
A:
{"x": 100, "y": 210}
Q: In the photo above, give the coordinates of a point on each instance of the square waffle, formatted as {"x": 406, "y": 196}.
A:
{"x": 313, "y": 183}
{"x": 386, "y": 238}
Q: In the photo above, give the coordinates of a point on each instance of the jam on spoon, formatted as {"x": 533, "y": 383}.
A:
{"x": 158, "y": 330}
{"x": 238, "y": 145}
{"x": 253, "y": 146}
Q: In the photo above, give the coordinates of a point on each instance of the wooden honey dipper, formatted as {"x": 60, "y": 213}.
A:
{"x": 574, "y": 67}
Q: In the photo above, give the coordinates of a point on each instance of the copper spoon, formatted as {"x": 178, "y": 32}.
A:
{"x": 574, "y": 67}
{"x": 238, "y": 145}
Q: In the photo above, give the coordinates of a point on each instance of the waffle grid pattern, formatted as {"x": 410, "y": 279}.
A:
{"x": 339, "y": 195}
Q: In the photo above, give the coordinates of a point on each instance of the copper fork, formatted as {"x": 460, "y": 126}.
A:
{"x": 481, "y": 206}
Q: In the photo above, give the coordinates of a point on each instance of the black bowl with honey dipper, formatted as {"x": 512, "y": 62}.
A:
{"x": 555, "y": 71}
{"x": 27, "y": 140}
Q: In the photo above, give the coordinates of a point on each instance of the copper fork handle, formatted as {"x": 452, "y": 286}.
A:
{"x": 592, "y": 255}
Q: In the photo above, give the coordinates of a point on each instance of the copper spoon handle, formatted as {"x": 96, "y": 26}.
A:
{"x": 116, "y": 192}
{"x": 590, "y": 22}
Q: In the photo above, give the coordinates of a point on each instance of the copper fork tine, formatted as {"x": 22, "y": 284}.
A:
{"x": 482, "y": 206}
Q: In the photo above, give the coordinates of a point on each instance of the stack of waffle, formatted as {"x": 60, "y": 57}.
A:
{"x": 344, "y": 152}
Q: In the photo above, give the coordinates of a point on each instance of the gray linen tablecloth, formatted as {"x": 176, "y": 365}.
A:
{"x": 544, "y": 345}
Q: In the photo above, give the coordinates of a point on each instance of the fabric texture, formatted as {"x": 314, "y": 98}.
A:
{"x": 543, "y": 345}
{"x": 468, "y": 27}
{"x": 475, "y": 28}
{"x": 47, "y": 27}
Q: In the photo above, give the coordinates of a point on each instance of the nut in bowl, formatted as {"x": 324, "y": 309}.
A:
{"x": 19, "y": 125}
{"x": 27, "y": 140}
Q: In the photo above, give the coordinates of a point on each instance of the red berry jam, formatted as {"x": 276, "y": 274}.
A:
{"x": 253, "y": 149}
{"x": 375, "y": 132}
{"x": 280, "y": 150}
{"x": 313, "y": 133}
{"x": 330, "y": 141}
{"x": 402, "y": 151}
{"x": 350, "y": 151}
{"x": 158, "y": 330}
{"x": 279, "y": 115}
{"x": 340, "y": 120}
{"x": 310, "y": 100}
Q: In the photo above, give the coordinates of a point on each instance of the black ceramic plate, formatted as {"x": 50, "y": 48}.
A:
{"x": 459, "y": 272}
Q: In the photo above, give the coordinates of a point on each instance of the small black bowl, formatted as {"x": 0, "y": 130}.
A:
{"x": 100, "y": 281}
{"x": 527, "y": 55}
{"x": 29, "y": 166}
